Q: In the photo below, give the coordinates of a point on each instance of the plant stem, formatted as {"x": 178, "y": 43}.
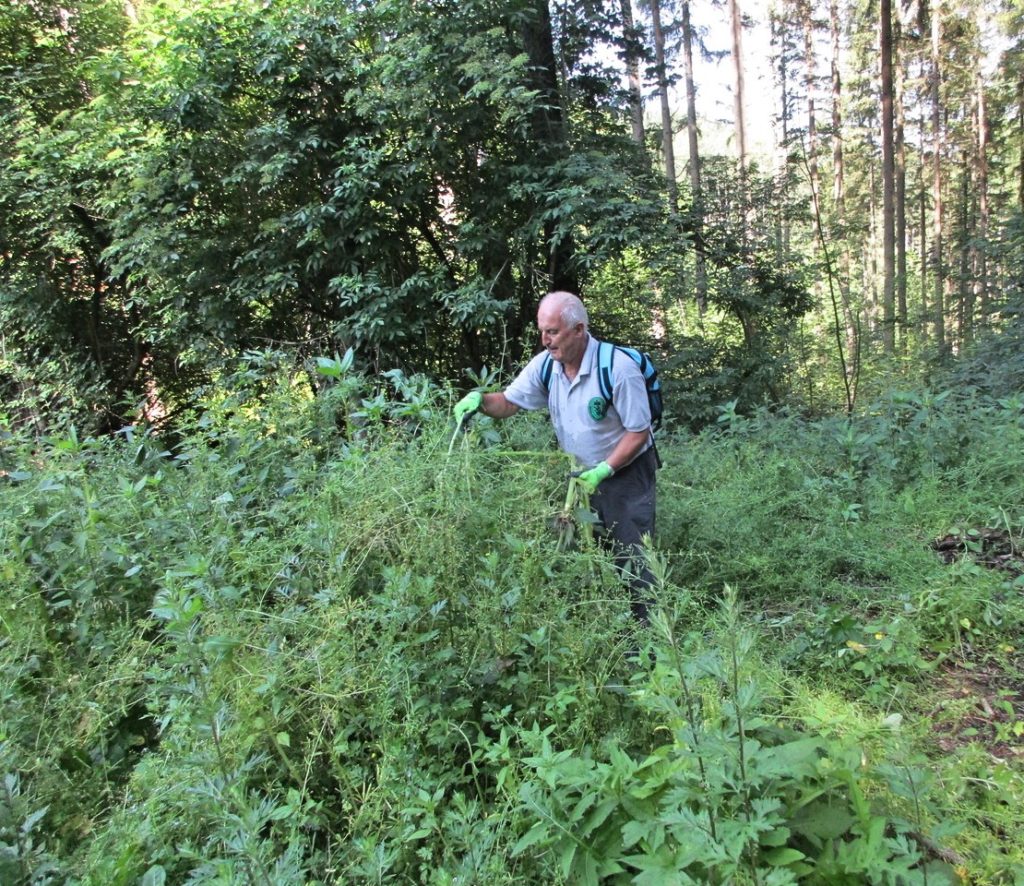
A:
{"x": 692, "y": 717}
{"x": 741, "y": 730}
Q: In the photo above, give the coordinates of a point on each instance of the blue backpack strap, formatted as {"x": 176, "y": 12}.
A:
{"x": 605, "y": 360}
{"x": 545, "y": 372}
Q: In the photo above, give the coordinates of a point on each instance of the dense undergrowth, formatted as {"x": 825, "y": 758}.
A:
{"x": 315, "y": 641}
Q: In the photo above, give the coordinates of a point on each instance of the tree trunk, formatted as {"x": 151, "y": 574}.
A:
{"x": 839, "y": 193}
{"x": 901, "y": 190}
{"x": 922, "y": 324}
{"x": 548, "y": 130}
{"x": 694, "y": 162}
{"x": 810, "y": 84}
{"x": 964, "y": 289}
{"x": 888, "y": 183}
{"x": 738, "y": 95}
{"x": 982, "y": 285}
{"x": 938, "y": 306}
{"x": 838, "y": 197}
{"x": 631, "y": 43}
{"x": 871, "y": 302}
{"x": 1020, "y": 139}
{"x": 668, "y": 152}
{"x": 779, "y": 39}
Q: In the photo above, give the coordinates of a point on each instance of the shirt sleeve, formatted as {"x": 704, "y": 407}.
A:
{"x": 629, "y": 395}
{"x": 527, "y": 391}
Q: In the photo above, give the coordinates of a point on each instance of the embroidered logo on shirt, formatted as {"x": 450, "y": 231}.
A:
{"x": 598, "y": 408}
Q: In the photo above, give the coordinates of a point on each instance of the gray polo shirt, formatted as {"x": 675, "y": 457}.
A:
{"x": 588, "y": 438}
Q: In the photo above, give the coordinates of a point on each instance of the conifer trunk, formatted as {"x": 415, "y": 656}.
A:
{"x": 631, "y": 42}
{"x": 981, "y": 269}
{"x": 838, "y": 197}
{"x": 901, "y": 190}
{"x": 888, "y": 183}
{"x": 668, "y": 152}
{"x": 807, "y": 17}
{"x": 697, "y": 210}
{"x": 739, "y": 87}
{"x": 938, "y": 292}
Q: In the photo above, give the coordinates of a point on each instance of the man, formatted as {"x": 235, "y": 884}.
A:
{"x": 612, "y": 441}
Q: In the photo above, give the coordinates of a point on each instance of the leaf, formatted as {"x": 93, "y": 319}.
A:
{"x": 284, "y": 739}
{"x": 783, "y": 856}
{"x": 893, "y": 721}
{"x": 155, "y": 876}
{"x": 220, "y": 645}
{"x": 652, "y": 832}
{"x": 794, "y": 759}
{"x": 822, "y": 821}
{"x": 776, "y": 838}
{"x": 330, "y": 367}
{"x": 32, "y": 820}
{"x": 598, "y": 816}
{"x": 567, "y": 858}
{"x": 535, "y": 835}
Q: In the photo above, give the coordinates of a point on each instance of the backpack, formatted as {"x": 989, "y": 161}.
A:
{"x": 605, "y": 360}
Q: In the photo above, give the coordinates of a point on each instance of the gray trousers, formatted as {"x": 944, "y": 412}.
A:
{"x": 625, "y": 506}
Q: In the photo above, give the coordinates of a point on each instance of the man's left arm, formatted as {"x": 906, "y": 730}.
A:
{"x": 624, "y": 452}
{"x": 627, "y": 448}
{"x": 631, "y": 404}
{"x": 634, "y": 412}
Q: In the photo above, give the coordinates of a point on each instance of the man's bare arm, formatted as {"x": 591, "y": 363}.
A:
{"x": 627, "y": 449}
{"x": 498, "y": 406}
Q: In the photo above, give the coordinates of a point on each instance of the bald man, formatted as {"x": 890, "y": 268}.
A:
{"x": 612, "y": 441}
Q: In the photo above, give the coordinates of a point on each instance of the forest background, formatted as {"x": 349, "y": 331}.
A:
{"x": 248, "y": 253}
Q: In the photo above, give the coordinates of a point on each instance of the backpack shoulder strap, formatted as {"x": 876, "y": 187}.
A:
{"x": 545, "y": 372}
{"x": 605, "y": 360}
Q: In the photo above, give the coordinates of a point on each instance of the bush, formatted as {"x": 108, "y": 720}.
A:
{"x": 319, "y": 639}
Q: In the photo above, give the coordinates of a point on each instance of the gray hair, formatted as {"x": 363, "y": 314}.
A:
{"x": 570, "y": 308}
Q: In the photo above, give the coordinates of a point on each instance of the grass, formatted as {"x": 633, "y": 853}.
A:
{"x": 302, "y": 650}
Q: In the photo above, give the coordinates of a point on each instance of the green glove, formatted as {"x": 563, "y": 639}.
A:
{"x": 590, "y": 479}
{"x": 467, "y": 406}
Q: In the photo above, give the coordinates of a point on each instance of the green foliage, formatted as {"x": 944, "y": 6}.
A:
{"x": 732, "y": 796}
{"x": 312, "y": 639}
{"x": 223, "y": 176}
{"x": 211, "y": 179}
{"x": 69, "y": 337}
{"x": 23, "y": 856}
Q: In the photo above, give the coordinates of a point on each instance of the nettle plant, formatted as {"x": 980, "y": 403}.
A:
{"x": 313, "y": 639}
{"x": 731, "y": 797}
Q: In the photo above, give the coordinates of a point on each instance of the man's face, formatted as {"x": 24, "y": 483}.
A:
{"x": 564, "y": 343}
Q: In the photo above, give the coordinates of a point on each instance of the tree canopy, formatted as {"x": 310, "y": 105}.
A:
{"x": 185, "y": 182}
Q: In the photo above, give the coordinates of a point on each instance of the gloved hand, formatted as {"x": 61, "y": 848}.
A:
{"x": 467, "y": 406}
{"x": 590, "y": 479}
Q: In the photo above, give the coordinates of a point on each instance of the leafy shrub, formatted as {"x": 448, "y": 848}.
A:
{"x": 317, "y": 637}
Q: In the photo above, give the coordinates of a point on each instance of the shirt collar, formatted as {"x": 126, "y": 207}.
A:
{"x": 589, "y": 355}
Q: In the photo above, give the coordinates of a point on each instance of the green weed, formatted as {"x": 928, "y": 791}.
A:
{"x": 315, "y": 641}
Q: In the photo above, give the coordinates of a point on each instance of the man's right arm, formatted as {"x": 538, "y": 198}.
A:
{"x": 498, "y": 406}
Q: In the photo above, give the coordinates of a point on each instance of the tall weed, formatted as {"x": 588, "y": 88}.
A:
{"x": 316, "y": 639}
